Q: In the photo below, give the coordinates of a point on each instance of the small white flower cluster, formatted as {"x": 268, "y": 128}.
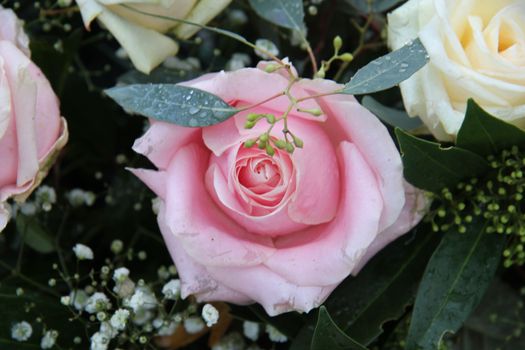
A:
{"x": 46, "y": 197}
{"x": 83, "y": 252}
{"x": 78, "y": 197}
{"x": 22, "y": 331}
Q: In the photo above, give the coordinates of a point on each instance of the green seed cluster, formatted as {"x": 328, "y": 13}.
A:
{"x": 496, "y": 198}
{"x": 267, "y": 142}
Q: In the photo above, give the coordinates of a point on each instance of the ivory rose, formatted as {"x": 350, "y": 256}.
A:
{"x": 476, "y": 49}
{"x": 282, "y": 231}
{"x": 141, "y": 35}
{"x": 31, "y": 130}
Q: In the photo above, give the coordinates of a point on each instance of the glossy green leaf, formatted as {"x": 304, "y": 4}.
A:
{"x": 381, "y": 291}
{"x": 328, "y": 335}
{"x": 389, "y": 70}
{"x": 34, "y": 235}
{"x": 430, "y": 167}
{"x": 284, "y": 13}
{"x": 391, "y": 116}
{"x": 484, "y": 134}
{"x": 454, "y": 282}
{"x": 171, "y": 103}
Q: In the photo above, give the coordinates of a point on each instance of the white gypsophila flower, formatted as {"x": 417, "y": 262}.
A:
{"x": 155, "y": 205}
{"x": 99, "y": 341}
{"x": 193, "y": 324}
{"x": 238, "y": 61}
{"x": 120, "y": 274}
{"x": 167, "y": 328}
{"x": 78, "y": 298}
{"x": 251, "y": 330}
{"x": 107, "y": 330}
{"x": 267, "y": 46}
{"x": 49, "y": 339}
{"x": 237, "y": 17}
{"x": 124, "y": 289}
{"x": 78, "y": 197}
{"x": 119, "y": 319}
{"x": 65, "y": 300}
{"x": 142, "y": 316}
{"x": 232, "y": 341}
{"x": 171, "y": 290}
{"x": 210, "y": 314}
{"x": 97, "y": 302}
{"x": 28, "y": 208}
{"x": 163, "y": 273}
{"x": 275, "y": 335}
{"x": 21, "y": 331}
{"x": 143, "y": 298}
{"x": 83, "y": 252}
{"x": 117, "y": 246}
{"x": 46, "y": 194}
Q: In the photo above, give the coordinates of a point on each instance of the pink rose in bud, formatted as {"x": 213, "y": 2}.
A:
{"x": 31, "y": 130}
{"x": 281, "y": 230}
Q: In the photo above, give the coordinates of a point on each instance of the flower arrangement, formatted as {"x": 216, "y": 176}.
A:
{"x": 242, "y": 175}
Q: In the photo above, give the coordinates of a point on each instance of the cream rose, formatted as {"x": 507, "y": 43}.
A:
{"x": 476, "y": 49}
{"x": 31, "y": 130}
{"x": 141, "y": 35}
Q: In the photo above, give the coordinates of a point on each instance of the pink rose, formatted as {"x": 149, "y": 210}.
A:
{"x": 282, "y": 231}
{"x": 31, "y": 130}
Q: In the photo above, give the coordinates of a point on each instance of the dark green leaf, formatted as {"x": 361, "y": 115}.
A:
{"x": 381, "y": 291}
{"x": 284, "y": 13}
{"x": 373, "y": 6}
{"x": 328, "y": 335}
{"x": 484, "y": 134}
{"x": 389, "y": 70}
{"x": 34, "y": 235}
{"x": 494, "y": 322}
{"x": 171, "y": 103}
{"x": 391, "y": 116}
{"x": 454, "y": 282}
{"x": 430, "y": 167}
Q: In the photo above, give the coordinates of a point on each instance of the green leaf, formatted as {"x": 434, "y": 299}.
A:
{"x": 373, "y": 6}
{"x": 494, "y": 322}
{"x": 34, "y": 235}
{"x": 328, "y": 335}
{"x": 391, "y": 116}
{"x": 430, "y": 167}
{"x": 171, "y": 103}
{"x": 381, "y": 291}
{"x": 389, "y": 70}
{"x": 454, "y": 282}
{"x": 284, "y": 13}
{"x": 484, "y": 134}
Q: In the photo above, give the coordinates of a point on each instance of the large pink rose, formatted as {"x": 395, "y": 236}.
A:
{"x": 282, "y": 231}
{"x": 31, "y": 130}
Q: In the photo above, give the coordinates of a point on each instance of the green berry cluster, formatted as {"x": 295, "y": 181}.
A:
{"x": 267, "y": 142}
{"x": 497, "y": 199}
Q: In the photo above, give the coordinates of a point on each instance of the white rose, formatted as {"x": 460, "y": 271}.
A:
{"x": 141, "y": 35}
{"x": 476, "y": 49}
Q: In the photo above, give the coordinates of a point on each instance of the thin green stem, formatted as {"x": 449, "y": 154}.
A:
{"x": 28, "y": 280}
{"x": 212, "y": 29}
